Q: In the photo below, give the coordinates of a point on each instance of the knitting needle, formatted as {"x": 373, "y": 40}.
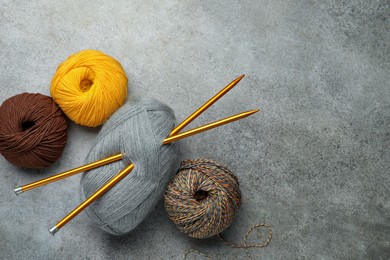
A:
{"x": 118, "y": 157}
{"x": 92, "y": 198}
{"x": 206, "y": 105}
{"x": 69, "y": 173}
{"x": 128, "y": 169}
{"x": 209, "y": 126}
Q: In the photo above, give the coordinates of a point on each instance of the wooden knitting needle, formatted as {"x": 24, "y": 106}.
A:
{"x": 128, "y": 169}
{"x": 118, "y": 157}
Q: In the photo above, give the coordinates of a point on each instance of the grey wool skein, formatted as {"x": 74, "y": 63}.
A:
{"x": 136, "y": 131}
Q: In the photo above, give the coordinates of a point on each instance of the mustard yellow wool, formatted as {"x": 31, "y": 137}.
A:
{"x": 89, "y": 87}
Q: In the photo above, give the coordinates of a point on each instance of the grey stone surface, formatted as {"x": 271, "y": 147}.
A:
{"x": 314, "y": 164}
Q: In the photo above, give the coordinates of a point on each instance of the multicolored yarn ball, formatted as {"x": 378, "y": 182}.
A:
{"x": 203, "y": 198}
{"x": 89, "y": 87}
{"x": 137, "y": 131}
{"x": 33, "y": 130}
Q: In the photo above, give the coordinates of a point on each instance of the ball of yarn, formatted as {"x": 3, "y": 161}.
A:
{"x": 33, "y": 130}
{"x": 89, "y": 87}
{"x": 203, "y": 198}
{"x": 136, "y": 131}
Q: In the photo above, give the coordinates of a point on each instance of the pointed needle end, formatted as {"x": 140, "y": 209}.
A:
{"x": 251, "y": 112}
{"x": 238, "y": 78}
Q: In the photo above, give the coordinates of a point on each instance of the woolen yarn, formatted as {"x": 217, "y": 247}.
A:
{"x": 33, "y": 130}
{"x": 203, "y": 198}
{"x": 137, "y": 131}
{"x": 89, "y": 86}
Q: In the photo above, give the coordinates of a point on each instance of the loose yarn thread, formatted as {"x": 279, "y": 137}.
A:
{"x": 203, "y": 198}
{"x": 245, "y": 245}
{"x": 241, "y": 246}
{"x": 33, "y": 130}
{"x": 137, "y": 131}
{"x": 89, "y": 86}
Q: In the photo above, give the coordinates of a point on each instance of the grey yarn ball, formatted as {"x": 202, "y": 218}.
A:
{"x": 137, "y": 131}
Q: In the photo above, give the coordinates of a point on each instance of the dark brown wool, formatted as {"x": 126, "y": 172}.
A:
{"x": 33, "y": 130}
{"x": 203, "y": 198}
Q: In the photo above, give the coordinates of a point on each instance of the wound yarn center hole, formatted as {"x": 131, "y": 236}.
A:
{"x": 85, "y": 85}
{"x": 201, "y": 195}
{"x": 27, "y": 124}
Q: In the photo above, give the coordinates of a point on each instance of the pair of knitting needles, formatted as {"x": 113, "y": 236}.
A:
{"x": 173, "y": 136}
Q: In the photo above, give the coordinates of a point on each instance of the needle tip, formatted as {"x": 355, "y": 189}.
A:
{"x": 251, "y": 112}
{"x": 18, "y": 190}
{"x": 240, "y": 77}
{"x": 53, "y": 230}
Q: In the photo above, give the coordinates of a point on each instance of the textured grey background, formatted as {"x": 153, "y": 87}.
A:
{"x": 314, "y": 164}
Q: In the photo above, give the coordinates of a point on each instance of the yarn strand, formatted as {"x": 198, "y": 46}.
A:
{"x": 189, "y": 251}
{"x": 239, "y": 246}
{"x": 245, "y": 245}
{"x": 251, "y": 229}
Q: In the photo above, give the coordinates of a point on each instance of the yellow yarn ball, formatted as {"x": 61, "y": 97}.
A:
{"x": 89, "y": 87}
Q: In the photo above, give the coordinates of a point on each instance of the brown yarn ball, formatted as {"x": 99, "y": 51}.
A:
{"x": 33, "y": 130}
{"x": 203, "y": 198}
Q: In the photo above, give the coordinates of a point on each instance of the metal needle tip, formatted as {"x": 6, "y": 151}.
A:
{"x": 235, "y": 81}
{"x": 250, "y": 112}
{"x": 53, "y": 230}
{"x": 18, "y": 190}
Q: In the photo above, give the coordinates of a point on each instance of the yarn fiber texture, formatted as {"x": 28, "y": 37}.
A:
{"x": 33, "y": 130}
{"x": 136, "y": 131}
{"x": 203, "y": 198}
{"x": 89, "y": 86}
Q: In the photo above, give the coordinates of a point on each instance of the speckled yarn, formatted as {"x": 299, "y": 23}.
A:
{"x": 137, "y": 131}
{"x": 203, "y": 198}
{"x": 33, "y": 130}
